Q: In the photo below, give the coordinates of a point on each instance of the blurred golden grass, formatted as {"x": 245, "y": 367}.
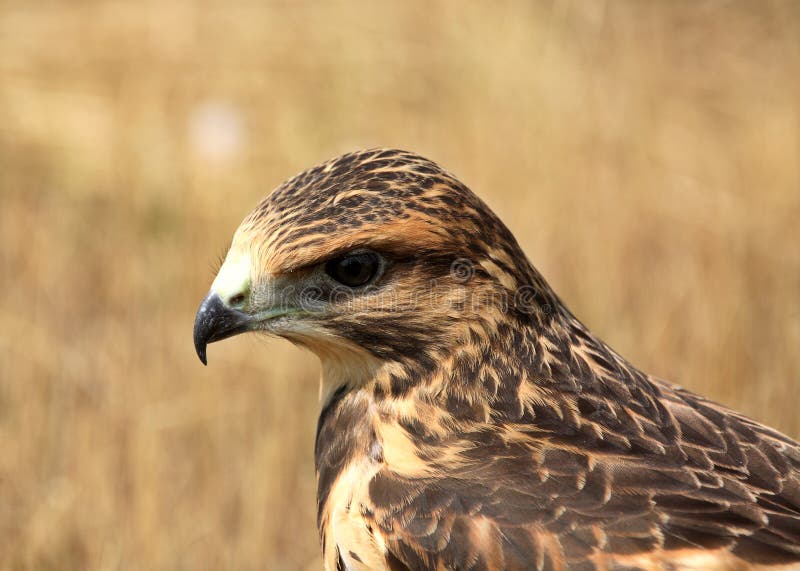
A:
{"x": 646, "y": 154}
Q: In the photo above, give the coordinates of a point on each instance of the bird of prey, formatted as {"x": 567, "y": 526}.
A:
{"x": 468, "y": 420}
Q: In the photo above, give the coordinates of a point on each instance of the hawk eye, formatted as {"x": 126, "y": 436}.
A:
{"x": 354, "y": 270}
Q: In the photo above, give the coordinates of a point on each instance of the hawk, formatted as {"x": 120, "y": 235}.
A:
{"x": 468, "y": 420}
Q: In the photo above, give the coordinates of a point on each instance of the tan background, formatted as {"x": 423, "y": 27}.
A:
{"x": 646, "y": 154}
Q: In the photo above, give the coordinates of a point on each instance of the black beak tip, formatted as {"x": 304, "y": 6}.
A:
{"x": 200, "y": 343}
{"x": 201, "y": 353}
{"x": 203, "y": 327}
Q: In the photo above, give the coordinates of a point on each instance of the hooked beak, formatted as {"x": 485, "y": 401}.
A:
{"x": 216, "y": 321}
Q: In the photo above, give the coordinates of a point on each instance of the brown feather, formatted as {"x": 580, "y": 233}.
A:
{"x": 496, "y": 431}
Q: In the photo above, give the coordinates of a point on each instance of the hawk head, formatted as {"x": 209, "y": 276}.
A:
{"x": 374, "y": 257}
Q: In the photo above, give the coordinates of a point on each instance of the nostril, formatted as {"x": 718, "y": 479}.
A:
{"x": 237, "y": 299}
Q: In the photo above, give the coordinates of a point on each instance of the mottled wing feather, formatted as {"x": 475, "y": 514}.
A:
{"x": 721, "y": 483}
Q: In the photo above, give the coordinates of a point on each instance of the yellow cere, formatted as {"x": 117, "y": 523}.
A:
{"x": 234, "y": 277}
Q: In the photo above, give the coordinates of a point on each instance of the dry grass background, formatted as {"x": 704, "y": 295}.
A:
{"x": 647, "y": 155}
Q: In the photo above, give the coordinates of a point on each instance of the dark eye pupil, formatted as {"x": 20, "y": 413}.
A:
{"x": 353, "y": 270}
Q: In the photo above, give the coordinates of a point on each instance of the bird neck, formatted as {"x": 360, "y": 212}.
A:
{"x": 530, "y": 362}
{"x": 548, "y": 379}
